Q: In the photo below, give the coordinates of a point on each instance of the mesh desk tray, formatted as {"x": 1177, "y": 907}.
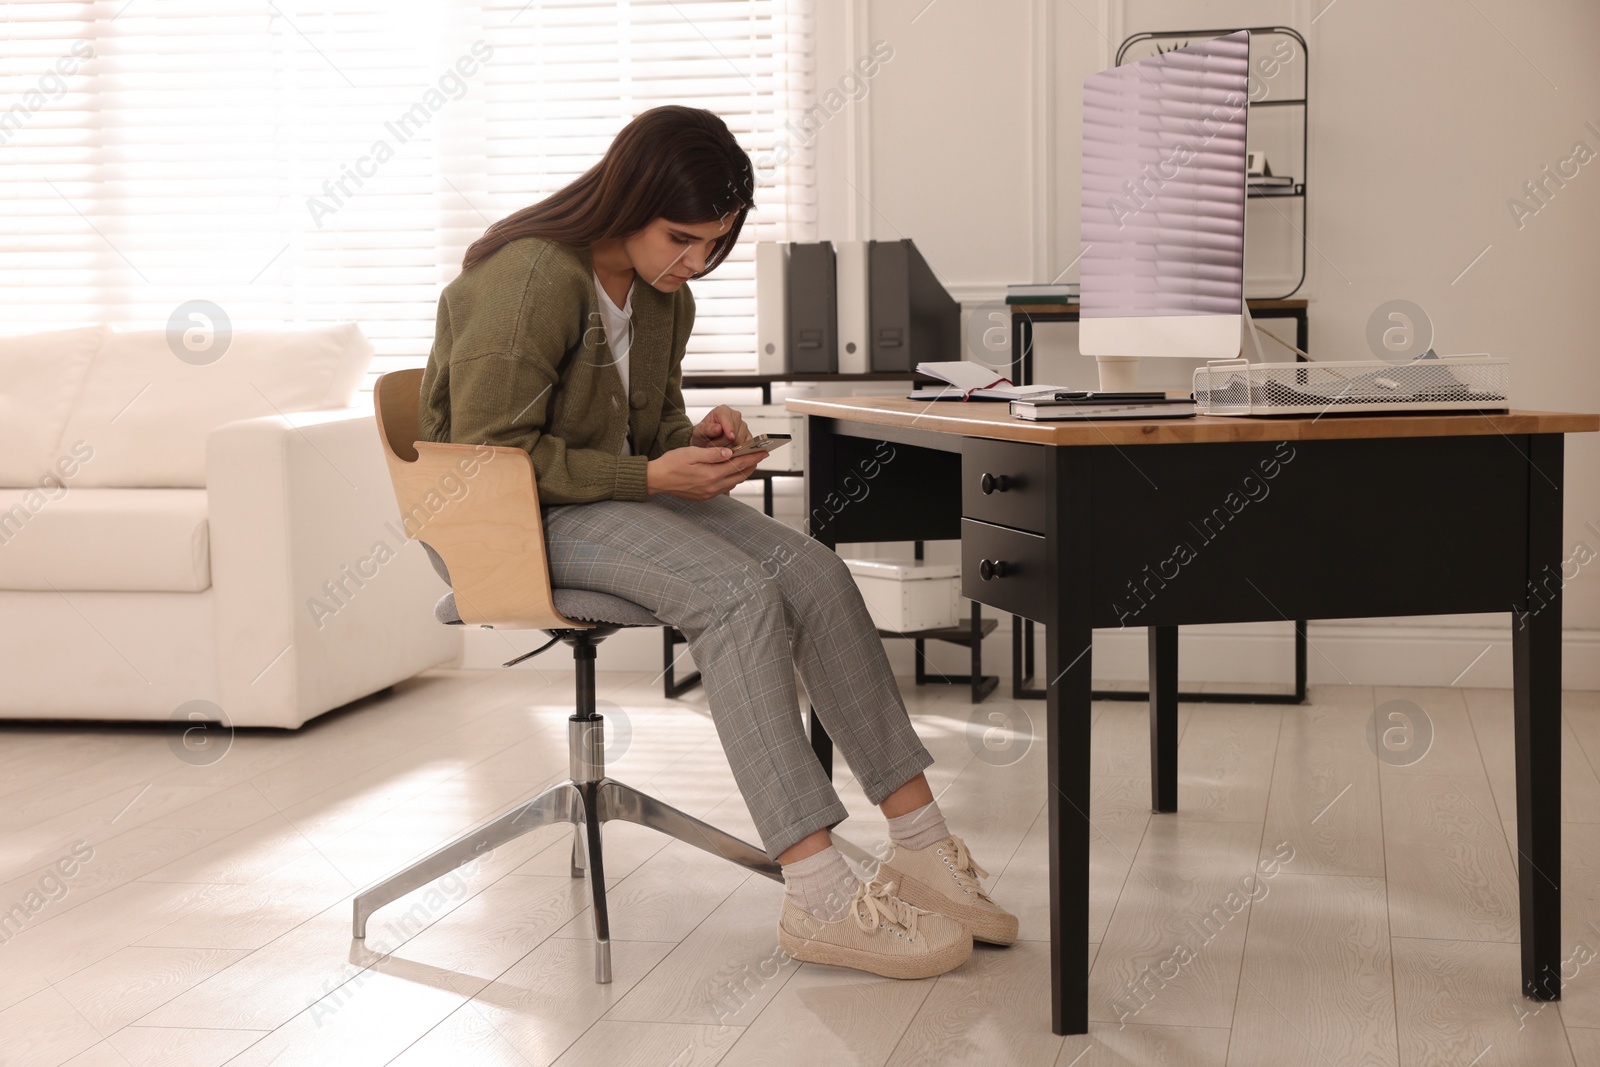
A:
{"x": 1439, "y": 383}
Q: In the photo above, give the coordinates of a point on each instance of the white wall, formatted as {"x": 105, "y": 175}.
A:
{"x": 1425, "y": 119}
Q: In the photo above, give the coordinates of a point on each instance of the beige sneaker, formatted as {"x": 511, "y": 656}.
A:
{"x": 944, "y": 878}
{"x": 880, "y": 934}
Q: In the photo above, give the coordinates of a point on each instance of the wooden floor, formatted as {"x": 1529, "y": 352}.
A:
{"x": 1310, "y": 904}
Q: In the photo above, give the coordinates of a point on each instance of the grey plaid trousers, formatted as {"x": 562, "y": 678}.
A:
{"x": 756, "y": 599}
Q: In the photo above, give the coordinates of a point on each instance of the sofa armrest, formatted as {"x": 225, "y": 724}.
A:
{"x": 320, "y": 598}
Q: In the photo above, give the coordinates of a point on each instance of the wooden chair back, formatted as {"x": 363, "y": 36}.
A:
{"x": 475, "y": 505}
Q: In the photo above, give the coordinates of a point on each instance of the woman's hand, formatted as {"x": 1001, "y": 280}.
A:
{"x": 699, "y": 473}
{"x": 722, "y": 427}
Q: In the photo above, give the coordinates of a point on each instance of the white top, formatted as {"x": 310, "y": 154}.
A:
{"x": 618, "y": 323}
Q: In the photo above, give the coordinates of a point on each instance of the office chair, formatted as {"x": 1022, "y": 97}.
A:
{"x": 487, "y": 543}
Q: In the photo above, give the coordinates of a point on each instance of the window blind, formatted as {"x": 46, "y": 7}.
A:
{"x": 298, "y": 164}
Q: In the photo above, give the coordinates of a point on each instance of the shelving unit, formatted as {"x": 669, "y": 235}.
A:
{"x": 971, "y": 635}
{"x": 1024, "y": 316}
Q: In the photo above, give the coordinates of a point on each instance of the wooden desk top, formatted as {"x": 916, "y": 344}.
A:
{"x": 992, "y": 419}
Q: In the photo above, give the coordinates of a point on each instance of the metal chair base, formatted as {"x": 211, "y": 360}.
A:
{"x": 586, "y": 800}
{"x": 585, "y": 804}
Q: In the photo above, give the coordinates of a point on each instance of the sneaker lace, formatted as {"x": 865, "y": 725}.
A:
{"x": 966, "y": 868}
{"x": 877, "y": 904}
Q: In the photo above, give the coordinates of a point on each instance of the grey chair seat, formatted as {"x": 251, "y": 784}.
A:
{"x": 585, "y": 605}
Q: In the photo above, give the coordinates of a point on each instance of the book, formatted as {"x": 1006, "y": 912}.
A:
{"x": 1052, "y": 410}
{"x": 1095, "y": 396}
{"x": 1270, "y": 179}
{"x": 1023, "y": 298}
{"x": 999, "y": 392}
{"x": 1052, "y": 293}
{"x": 1042, "y": 288}
{"x": 966, "y": 380}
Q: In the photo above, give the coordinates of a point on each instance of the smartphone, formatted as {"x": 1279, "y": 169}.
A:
{"x": 764, "y": 442}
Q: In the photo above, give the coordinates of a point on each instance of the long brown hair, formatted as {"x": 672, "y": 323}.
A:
{"x": 673, "y": 162}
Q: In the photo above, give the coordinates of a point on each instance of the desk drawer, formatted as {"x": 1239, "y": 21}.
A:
{"x": 1017, "y": 565}
{"x": 1004, "y": 482}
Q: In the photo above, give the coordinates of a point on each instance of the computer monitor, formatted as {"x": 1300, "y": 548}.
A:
{"x": 1161, "y": 269}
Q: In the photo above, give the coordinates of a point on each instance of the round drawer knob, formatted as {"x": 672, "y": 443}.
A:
{"x": 992, "y": 568}
{"x": 991, "y": 484}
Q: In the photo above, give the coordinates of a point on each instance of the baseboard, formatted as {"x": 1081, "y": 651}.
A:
{"x": 1350, "y": 652}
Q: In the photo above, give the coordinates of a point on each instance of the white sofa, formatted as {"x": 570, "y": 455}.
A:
{"x": 225, "y": 533}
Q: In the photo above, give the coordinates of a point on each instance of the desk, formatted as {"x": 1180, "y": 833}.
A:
{"x": 1162, "y": 524}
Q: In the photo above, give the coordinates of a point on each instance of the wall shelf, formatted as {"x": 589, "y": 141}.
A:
{"x": 1298, "y": 190}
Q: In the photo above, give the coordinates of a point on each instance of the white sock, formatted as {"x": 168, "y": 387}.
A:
{"x": 823, "y": 884}
{"x": 918, "y": 829}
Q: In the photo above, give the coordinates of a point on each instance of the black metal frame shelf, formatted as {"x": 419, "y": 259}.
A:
{"x": 1298, "y": 190}
{"x": 1023, "y": 316}
{"x": 971, "y": 635}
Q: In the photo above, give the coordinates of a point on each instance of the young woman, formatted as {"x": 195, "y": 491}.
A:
{"x": 564, "y": 335}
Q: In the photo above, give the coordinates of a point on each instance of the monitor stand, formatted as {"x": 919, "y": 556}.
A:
{"x": 1118, "y": 374}
{"x": 1250, "y": 339}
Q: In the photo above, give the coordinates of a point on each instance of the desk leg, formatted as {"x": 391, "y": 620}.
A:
{"x": 1067, "y": 659}
{"x": 1536, "y": 666}
{"x": 1068, "y": 663}
{"x": 819, "y": 465}
{"x": 1164, "y": 718}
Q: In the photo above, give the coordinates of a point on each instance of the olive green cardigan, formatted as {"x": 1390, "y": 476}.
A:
{"x": 520, "y": 358}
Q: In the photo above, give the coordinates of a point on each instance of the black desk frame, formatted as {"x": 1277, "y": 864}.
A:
{"x": 1492, "y": 541}
{"x": 1022, "y": 666}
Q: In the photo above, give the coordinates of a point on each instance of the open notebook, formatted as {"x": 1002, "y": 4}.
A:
{"x": 973, "y": 381}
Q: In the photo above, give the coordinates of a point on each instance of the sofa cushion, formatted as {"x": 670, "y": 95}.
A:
{"x": 146, "y": 413}
{"x": 152, "y": 540}
{"x": 40, "y": 376}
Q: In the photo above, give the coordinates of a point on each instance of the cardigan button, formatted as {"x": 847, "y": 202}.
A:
{"x": 639, "y": 398}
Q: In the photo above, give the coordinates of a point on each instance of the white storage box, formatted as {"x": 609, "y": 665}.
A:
{"x": 775, "y": 418}
{"x": 906, "y": 595}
